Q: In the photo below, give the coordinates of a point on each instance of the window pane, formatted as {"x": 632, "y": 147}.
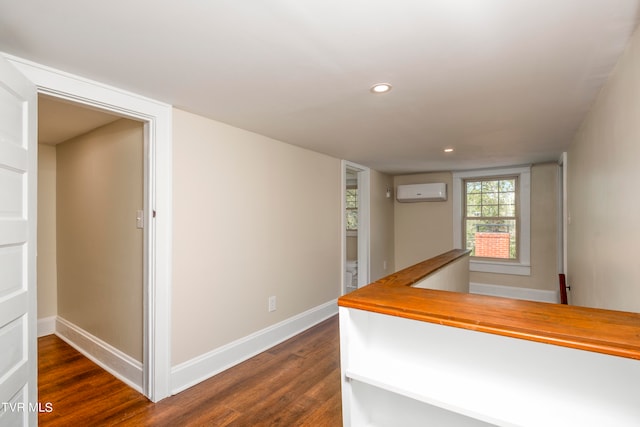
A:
{"x": 491, "y": 238}
{"x": 352, "y": 220}
{"x": 489, "y": 186}
{"x": 474, "y": 187}
{"x": 474, "y": 210}
{"x": 352, "y": 208}
{"x": 474, "y": 199}
{"x": 489, "y": 198}
{"x": 507, "y": 210}
{"x": 507, "y": 198}
{"x": 507, "y": 185}
{"x": 352, "y": 198}
{"x": 491, "y": 210}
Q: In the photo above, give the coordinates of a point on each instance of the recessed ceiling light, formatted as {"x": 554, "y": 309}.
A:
{"x": 448, "y": 150}
{"x": 381, "y": 88}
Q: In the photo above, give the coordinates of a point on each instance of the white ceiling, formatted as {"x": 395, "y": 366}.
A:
{"x": 501, "y": 81}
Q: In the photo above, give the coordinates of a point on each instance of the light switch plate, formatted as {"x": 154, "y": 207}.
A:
{"x": 140, "y": 219}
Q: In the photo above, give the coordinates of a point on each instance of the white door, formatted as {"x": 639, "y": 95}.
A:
{"x": 18, "y": 176}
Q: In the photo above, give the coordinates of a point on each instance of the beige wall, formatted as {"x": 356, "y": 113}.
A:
{"x": 382, "y": 223}
{"x": 99, "y": 248}
{"x": 352, "y": 247}
{"x": 253, "y": 217}
{"x": 603, "y": 197}
{"x": 423, "y": 230}
{"x": 47, "y": 270}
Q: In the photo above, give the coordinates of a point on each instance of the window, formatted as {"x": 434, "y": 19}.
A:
{"x": 352, "y": 209}
{"x": 490, "y": 223}
{"x": 492, "y": 218}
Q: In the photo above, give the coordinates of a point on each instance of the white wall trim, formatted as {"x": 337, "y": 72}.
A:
{"x": 158, "y": 129}
{"x": 46, "y": 326}
{"x": 205, "y": 366}
{"x": 515, "y": 293}
{"x": 109, "y": 358}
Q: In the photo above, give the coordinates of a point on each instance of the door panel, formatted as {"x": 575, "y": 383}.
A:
{"x": 11, "y": 258}
{"x": 18, "y": 363}
{"x": 11, "y": 129}
{"x": 11, "y": 203}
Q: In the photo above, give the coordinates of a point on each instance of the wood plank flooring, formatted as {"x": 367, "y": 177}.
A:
{"x": 296, "y": 383}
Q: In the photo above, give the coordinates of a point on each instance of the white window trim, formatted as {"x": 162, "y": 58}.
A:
{"x": 522, "y": 267}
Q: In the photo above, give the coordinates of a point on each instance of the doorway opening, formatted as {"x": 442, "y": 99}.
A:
{"x": 91, "y": 257}
{"x": 92, "y": 265}
{"x": 355, "y": 230}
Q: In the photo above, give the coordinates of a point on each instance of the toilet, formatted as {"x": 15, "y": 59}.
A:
{"x": 351, "y": 274}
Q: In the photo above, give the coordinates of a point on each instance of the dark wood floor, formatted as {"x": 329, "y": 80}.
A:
{"x": 296, "y": 383}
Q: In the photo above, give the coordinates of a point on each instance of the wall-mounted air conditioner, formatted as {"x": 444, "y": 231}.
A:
{"x": 436, "y": 192}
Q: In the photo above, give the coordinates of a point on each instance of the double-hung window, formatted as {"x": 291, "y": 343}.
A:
{"x": 492, "y": 219}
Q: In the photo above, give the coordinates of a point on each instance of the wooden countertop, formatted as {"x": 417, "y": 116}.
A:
{"x": 610, "y": 332}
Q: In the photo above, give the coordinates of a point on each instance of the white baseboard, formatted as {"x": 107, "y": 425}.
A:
{"x": 46, "y": 326}
{"x": 109, "y": 358}
{"x": 514, "y": 292}
{"x": 200, "y": 368}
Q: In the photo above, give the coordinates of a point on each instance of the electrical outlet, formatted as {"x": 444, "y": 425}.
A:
{"x": 272, "y": 303}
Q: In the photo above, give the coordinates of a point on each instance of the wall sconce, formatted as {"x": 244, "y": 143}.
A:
{"x": 388, "y": 192}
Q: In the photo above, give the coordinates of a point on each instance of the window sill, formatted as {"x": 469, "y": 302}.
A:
{"x": 500, "y": 267}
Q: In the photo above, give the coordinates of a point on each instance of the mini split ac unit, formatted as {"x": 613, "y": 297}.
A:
{"x": 436, "y": 192}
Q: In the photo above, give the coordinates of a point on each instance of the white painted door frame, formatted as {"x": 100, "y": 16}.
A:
{"x": 364, "y": 222}
{"x": 157, "y": 130}
{"x": 563, "y": 212}
{"x": 563, "y": 219}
